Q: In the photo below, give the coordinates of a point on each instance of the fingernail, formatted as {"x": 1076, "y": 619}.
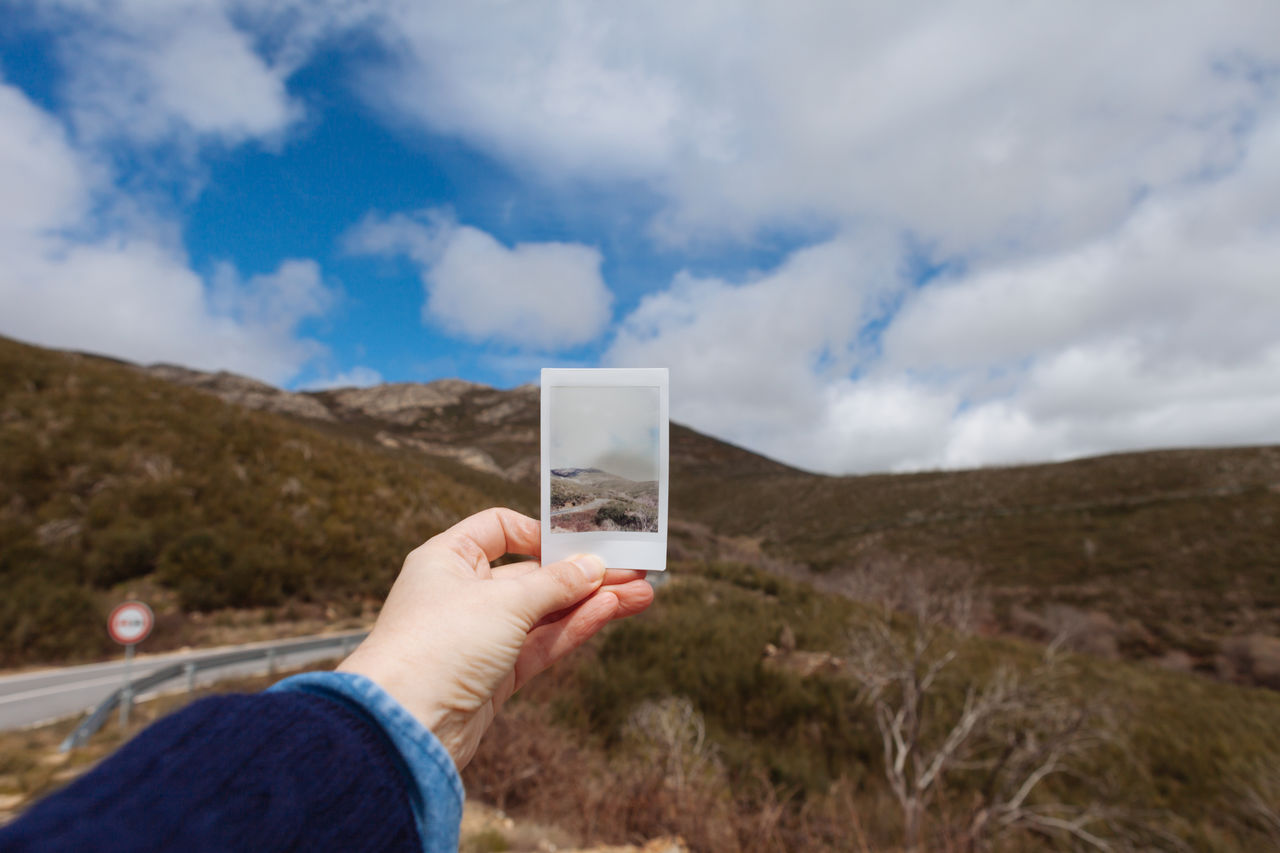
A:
{"x": 591, "y": 566}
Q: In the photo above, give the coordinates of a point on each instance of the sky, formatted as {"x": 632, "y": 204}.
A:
{"x": 615, "y": 429}
{"x": 862, "y": 236}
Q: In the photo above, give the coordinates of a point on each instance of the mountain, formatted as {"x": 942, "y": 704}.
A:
{"x": 573, "y": 473}
{"x": 490, "y": 430}
{"x": 209, "y": 492}
{"x": 1167, "y": 555}
{"x": 237, "y": 510}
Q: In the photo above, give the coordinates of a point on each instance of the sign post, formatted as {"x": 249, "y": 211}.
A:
{"x": 129, "y": 624}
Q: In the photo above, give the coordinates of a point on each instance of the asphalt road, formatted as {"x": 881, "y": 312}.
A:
{"x": 36, "y": 697}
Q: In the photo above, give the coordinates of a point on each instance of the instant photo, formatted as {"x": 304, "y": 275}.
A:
{"x": 604, "y": 466}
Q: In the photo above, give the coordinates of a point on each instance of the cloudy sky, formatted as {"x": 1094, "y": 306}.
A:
{"x": 615, "y": 429}
{"x": 863, "y": 236}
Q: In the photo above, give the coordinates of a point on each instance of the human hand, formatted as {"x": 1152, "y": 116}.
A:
{"x": 456, "y": 637}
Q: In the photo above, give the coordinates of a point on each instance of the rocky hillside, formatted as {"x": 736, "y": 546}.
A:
{"x": 490, "y": 430}
{"x": 1172, "y": 556}
{"x": 116, "y": 482}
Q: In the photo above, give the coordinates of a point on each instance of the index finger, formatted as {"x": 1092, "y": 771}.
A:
{"x": 492, "y": 533}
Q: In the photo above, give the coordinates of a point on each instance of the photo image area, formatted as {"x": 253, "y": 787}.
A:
{"x": 605, "y": 458}
{"x": 605, "y": 461}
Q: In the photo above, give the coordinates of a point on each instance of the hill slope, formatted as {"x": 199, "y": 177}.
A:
{"x": 114, "y": 481}
{"x": 106, "y": 468}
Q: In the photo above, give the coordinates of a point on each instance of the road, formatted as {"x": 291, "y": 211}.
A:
{"x": 595, "y": 504}
{"x": 35, "y": 697}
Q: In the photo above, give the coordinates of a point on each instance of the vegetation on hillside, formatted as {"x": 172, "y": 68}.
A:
{"x": 768, "y": 758}
{"x": 1167, "y": 552}
{"x": 112, "y": 481}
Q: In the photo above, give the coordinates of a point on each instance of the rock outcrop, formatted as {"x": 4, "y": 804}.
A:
{"x": 244, "y": 391}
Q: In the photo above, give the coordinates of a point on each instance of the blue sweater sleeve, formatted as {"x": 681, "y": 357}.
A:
{"x": 314, "y": 765}
{"x": 435, "y": 790}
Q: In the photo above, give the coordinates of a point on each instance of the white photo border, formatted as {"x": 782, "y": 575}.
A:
{"x": 619, "y": 549}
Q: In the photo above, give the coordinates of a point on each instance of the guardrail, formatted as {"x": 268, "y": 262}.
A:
{"x": 188, "y": 669}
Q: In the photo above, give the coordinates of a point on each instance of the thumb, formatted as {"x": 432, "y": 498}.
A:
{"x": 556, "y": 586}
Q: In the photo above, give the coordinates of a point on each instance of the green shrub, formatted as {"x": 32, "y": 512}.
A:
{"x": 122, "y": 552}
{"x": 197, "y": 567}
{"x": 43, "y": 620}
{"x": 704, "y": 641}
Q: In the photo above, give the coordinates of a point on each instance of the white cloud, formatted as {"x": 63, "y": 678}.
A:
{"x": 532, "y": 296}
{"x": 542, "y": 86}
{"x": 71, "y": 282}
{"x": 1164, "y": 333}
{"x": 752, "y": 360}
{"x": 276, "y": 301}
{"x": 873, "y": 425}
{"x": 976, "y": 125}
{"x": 173, "y": 71}
{"x": 1110, "y": 214}
{"x": 614, "y": 429}
{"x": 1088, "y": 401}
{"x": 40, "y": 176}
{"x": 359, "y": 376}
{"x": 139, "y": 301}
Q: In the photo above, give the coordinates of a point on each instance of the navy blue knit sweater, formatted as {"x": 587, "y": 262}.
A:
{"x": 267, "y": 772}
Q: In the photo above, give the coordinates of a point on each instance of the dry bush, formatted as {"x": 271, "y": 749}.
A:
{"x": 671, "y": 733}
{"x": 528, "y": 767}
{"x": 663, "y": 779}
{"x": 950, "y": 599}
{"x": 1008, "y": 733}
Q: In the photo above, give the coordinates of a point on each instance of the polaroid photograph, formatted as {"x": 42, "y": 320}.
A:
{"x": 604, "y": 466}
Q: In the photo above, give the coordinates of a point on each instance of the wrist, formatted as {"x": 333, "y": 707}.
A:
{"x": 431, "y": 769}
{"x": 413, "y": 687}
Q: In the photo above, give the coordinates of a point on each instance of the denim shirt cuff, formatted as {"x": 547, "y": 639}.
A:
{"x": 436, "y": 794}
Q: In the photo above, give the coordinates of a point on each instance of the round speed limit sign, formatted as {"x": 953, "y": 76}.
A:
{"x": 130, "y": 623}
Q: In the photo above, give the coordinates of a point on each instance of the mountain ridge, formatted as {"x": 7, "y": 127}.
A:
{"x": 1166, "y": 552}
{"x": 427, "y": 415}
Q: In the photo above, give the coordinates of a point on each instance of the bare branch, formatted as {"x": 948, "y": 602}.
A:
{"x": 1016, "y": 731}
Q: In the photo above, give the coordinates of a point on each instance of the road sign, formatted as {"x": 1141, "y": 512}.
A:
{"x": 130, "y": 623}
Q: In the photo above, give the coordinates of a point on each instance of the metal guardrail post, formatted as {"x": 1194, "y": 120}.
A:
{"x": 126, "y": 702}
{"x": 190, "y": 669}
{"x": 126, "y": 695}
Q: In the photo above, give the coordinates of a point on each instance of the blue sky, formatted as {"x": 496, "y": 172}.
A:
{"x": 863, "y": 238}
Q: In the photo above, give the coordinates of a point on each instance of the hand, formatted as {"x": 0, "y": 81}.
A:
{"x": 456, "y": 637}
